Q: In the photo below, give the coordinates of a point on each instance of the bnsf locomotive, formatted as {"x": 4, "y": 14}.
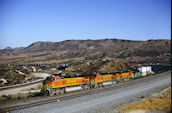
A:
{"x": 57, "y": 84}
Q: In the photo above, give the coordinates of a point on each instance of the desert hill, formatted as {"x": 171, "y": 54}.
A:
{"x": 83, "y": 57}
{"x": 54, "y": 52}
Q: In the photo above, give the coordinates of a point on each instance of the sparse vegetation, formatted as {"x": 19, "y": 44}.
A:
{"x": 83, "y": 56}
{"x": 101, "y": 66}
{"x": 13, "y": 77}
{"x": 5, "y": 98}
{"x": 162, "y": 102}
{"x": 60, "y": 52}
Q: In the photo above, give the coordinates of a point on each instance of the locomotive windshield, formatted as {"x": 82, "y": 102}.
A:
{"x": 50, "y": 79}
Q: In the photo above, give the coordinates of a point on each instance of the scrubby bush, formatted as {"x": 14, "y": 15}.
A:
{"x": 22, "y": 95}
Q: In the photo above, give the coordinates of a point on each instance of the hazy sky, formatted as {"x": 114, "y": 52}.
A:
{"x": 23, "y": 22}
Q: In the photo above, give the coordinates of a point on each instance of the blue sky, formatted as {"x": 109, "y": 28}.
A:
{"x": 23, "y": 22}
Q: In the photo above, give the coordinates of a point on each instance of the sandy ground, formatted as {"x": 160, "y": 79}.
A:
{"x": 104, "y": 102}
{"x": 156, "y": 103}
{"x": 25, "y": 89}
{"x": 22, "y": 89}
{"x": 43, "y": 75}
{"x": 144, "y": 111}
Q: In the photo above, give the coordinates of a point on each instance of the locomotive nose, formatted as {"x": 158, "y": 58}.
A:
{"x": 44, "y": 86}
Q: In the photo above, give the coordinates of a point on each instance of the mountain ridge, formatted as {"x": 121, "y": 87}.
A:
{"x": 8, "y": 47}
{"x": 90, "y": 49}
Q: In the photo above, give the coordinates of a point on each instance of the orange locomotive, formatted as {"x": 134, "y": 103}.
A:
{"x": 56, "y": 84}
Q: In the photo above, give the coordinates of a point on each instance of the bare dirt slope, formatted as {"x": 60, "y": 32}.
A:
{"x": 15, "y": 75}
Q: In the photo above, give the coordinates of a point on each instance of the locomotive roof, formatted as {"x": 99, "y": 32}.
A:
{"x": 72, "y": 76}
{"x": 86, "y": 75}
{"x": 68, "y": 76}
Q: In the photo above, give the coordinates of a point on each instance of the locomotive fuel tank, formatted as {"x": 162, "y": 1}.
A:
{"x": 70, "y": 89}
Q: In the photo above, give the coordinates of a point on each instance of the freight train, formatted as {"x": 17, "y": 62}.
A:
{"x": 57, "y": 84}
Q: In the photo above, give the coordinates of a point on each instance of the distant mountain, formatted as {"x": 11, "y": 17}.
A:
{"x": 8, "y": 48}
{"x": 89, "y": 50}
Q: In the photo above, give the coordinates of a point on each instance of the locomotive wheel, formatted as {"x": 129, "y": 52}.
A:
{"x": 62, "y": 91}
{"x": 100, "y": 85}
{"x": 82, "y": 87}
{"x": 46, "y": 93}
{"x": 41, "y": 93}
{"x": 96, "y": 85}
{"x": 114, "y": 82}
{"x": 51, "y": 93}
{"x": 86, "y": 87}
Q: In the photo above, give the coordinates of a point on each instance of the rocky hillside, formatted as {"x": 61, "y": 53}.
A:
{"x": 83, "y": 57}
{"x": 87, "y": 67}
{"x": 55, "y": 52}
{"x": 11, "y": 75}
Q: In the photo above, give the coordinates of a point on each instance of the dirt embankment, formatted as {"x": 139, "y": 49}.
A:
{"x": 12, "y": 75}
{"x": 157, "y": 103}
{"x": 99, "y": 66}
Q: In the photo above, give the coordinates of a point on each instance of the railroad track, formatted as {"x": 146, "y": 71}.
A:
{"x": 14, "y": 89}
{"x": 20, "y": 85}
{"x": 74, "y": 95}
{"x": 37, "y": 65}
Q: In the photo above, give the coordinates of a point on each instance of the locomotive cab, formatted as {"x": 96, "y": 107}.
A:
{"x": 49, "y": 82}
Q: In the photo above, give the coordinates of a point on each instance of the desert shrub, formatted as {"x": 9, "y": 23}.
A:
{"x": 21, "y": 95}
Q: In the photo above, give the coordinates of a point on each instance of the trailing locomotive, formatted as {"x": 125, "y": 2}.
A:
{"x": 57, "y": 84}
